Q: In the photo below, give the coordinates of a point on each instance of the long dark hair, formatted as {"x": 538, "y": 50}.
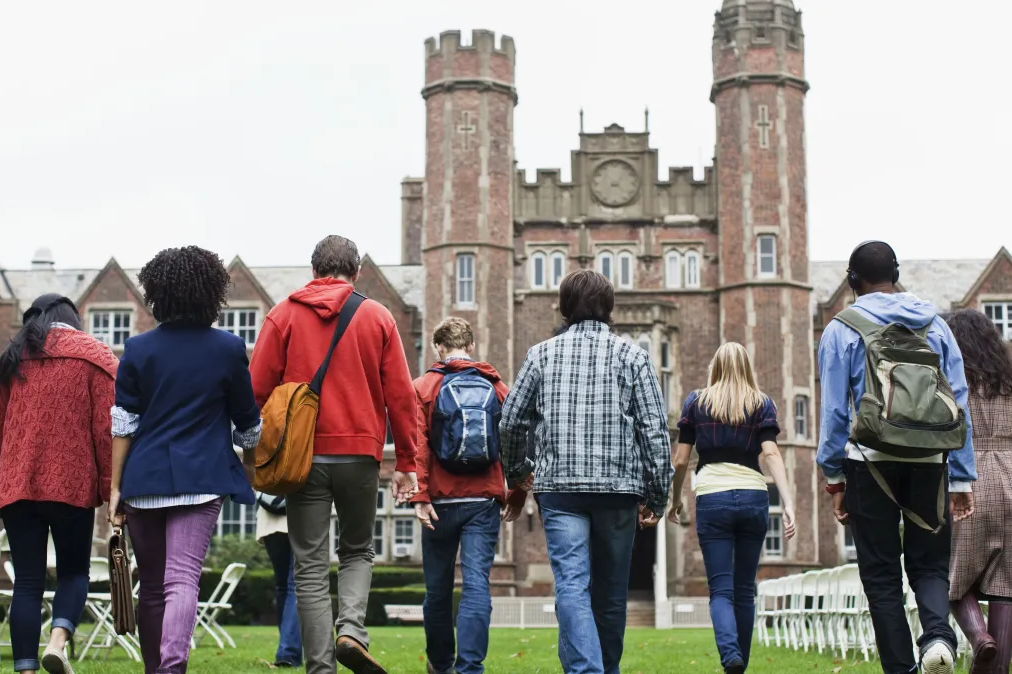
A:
{"x": 31, "y": 338}
{"x": 986, "y": 358}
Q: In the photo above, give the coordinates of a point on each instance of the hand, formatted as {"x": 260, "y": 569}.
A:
{"x": 840, "y": 508}
{"x": 426, "y": 514}
{"x": 515, "y": 501}
{"x": 675, "y": 512}
{"x": 405, "y": 486}
{"x": 115, "y": 518}
{"x": 789, "y": 529}
{"x": 648, "y": 518}
{"x": 960, "y": 505}
{"x": 527, "y": 483}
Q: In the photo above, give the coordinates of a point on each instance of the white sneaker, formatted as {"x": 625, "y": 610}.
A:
{"x": 938, "y": 658}
{"x": 55, "y": 662}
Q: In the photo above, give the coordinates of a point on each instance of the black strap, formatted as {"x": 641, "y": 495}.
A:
{"x": 343, "y": 319}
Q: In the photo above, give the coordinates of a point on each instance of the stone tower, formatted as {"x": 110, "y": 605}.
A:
{"x": 467, "y": 232}
{"x": 759, "y": 91}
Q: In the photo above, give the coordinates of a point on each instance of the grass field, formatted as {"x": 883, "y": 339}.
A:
{"x": 402, "y": 650}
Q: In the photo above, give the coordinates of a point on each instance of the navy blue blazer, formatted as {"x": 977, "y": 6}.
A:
{"x": 188, "y": 384}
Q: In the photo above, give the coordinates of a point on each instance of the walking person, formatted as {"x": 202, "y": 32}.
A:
{"x": 272, "y": 532}
{"x": 183, "y": 398}
{"x": 367, "y": 381}
{"x": 731, "y": 423}
{"x": 603, "y": 465}
{"x": 461, "y": 495}
{"x": 56, "y": 388}
{"x": 980, "y": 566}
{"x": 900, "y": 458}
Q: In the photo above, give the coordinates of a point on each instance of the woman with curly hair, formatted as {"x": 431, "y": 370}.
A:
{"x": 56, "y": 388}
{"x": 183, "y": 397}
{"x": 980, "y": 566}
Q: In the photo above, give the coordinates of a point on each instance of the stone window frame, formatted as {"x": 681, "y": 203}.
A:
{"x": 760, "y": 237}
{"x": 550, "y": 252}
{"x": 239, "y": 308}
{"x": 554, "y": 282}
{"x": 984, "y": 302}
{"x": 532, "y": 268}
{"x": 112, "y": 308}
{"x": 458, "y": 280}
{"x": 623, "y": 256}
{"x": 599, "y": 259}
{"x": 673, "y": 281}
{"x": 775, "y": 530}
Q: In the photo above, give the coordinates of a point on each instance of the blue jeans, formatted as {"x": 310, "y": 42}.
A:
{"x": 590, "y": 542}
{"x": 473, "y": 527}
{"x": 28, "y": 525}
{"x": 732, "y": 532}
{"x": 279, "y": 550}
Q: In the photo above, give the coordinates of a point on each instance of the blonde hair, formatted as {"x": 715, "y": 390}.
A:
{"x": 453, "y": 333}
{"x": 731, "y": 394}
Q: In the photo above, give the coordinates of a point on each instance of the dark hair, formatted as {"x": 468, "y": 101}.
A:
{"x": 336, "y": 256}
{"x": 185, "y": 284}
{"x": 586, "y": 295}
{"x": 874, "y": 263}
{"x": 986, "y": 358}
{"x": 31, "y": 338}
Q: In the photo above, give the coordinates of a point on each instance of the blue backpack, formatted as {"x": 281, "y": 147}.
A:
{"x": 464, "y": 433}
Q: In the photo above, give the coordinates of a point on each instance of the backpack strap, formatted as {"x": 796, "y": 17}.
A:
{"x": 351, "y": 306}
{"x": 854, "y": 320}
{"x": 909, "y": 514}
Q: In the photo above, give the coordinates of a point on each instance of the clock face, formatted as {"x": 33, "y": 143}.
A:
{"x": 615, "y": 183}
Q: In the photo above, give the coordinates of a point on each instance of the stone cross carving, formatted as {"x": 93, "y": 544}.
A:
{"x": 466, "y": 127}
{"x": 764, "y": 125}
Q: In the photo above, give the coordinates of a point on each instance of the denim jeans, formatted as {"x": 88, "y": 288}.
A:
{"x": 590, "y": 542}
{"x": 473, "y": 527}
{"x": 279, "y": 550}
{"x": 875, "y": 523}
{"x": 170, "y": 544}
{"x": 28, "y": 525}
{"x": 732, "y": 532}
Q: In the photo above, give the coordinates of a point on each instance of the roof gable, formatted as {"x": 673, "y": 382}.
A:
{"x": 995, "y": 279}
{"x": 112, "y": 268}
{"x": 237, "y": 270}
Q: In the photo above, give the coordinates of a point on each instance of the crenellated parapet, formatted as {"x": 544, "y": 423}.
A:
{"x": 485, "y": 64}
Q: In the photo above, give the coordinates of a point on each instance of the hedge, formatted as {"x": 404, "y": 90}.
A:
{"x": 253, "y": 601}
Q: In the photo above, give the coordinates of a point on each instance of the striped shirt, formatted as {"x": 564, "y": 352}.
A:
{"x": 600, "y": 421}
{"x": 124, "y": 424}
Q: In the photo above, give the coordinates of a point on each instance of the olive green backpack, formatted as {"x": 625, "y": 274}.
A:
{"x": 908, "y": 409}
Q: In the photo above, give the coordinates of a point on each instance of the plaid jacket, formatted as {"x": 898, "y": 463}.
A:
{"x": 598, "y": 415}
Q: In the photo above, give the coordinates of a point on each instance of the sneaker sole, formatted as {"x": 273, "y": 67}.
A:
{"x": 984, "y": 660}
{"x": 357, "y": 661}
{"x": 54, "y": 664}
{"x": 942, "y": 665}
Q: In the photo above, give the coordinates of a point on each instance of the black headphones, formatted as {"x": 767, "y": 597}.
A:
{"x": 34, "y": 311}
{"x": 853, "y": 280}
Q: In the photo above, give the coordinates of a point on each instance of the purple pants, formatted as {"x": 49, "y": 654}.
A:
{"x": 170, "y": 544}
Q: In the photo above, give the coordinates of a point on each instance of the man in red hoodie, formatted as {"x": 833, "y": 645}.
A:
{"x": 367, "y": 382}
{"x": 459, "y": 504}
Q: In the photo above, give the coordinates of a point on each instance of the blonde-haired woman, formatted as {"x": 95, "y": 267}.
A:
{"x": 731, "y": 422}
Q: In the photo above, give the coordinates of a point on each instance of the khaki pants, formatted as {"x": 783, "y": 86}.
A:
{"x": 351, "y": 488}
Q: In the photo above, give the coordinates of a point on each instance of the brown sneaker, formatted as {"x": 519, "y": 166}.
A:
{"x": 355, "y": 657}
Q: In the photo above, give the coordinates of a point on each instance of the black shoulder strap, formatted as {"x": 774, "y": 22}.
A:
{"x": 343, "y": 319}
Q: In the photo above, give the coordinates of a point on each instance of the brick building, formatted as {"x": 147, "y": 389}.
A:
{"x": 694, "y": 262}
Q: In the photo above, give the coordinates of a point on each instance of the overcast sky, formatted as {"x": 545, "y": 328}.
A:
{"x": 127, "y": 127}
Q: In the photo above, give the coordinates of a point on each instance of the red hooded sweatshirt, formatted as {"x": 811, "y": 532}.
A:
{"x": 367, "y": 380}
{"x": 434, "y": 481}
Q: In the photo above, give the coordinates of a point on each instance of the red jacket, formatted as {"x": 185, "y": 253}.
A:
{"x": 55, "y": 426}
{"x": 368, "y": 377}
{"x": 434, "y": 481}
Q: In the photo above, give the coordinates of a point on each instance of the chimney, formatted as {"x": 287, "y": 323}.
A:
{"x": 43, "y": 259}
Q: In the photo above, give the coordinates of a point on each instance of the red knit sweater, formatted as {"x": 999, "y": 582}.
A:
{"x": 55, "y": 427}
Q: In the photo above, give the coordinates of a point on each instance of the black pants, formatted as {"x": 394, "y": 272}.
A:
{"x": 874, "y": 520}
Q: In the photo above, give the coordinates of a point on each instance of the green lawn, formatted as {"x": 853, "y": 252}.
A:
{"x": 402, "y": 650}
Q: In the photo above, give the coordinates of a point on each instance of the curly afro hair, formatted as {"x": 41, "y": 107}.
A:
{"x": 185, "y": 284}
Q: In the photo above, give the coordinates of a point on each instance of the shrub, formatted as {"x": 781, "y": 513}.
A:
{"x": 231, "y": 548}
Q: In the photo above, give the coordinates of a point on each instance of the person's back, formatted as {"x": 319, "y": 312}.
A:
{"x": 366, "y": 383}
{"x": 56, "y": 389}
{"x": 603, "y": 452}
{"x": 872, "y": 489}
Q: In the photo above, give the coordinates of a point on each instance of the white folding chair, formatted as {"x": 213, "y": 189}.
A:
{"x": 99, "y": 605}
{"x": 208, "y": 611}
{"x": 794, "y": 607}
{"x": 809, "y": 617}
{"x": 852, "y": 609}
{"x": 765, "y": 610}
{"x": 825, "y": 582}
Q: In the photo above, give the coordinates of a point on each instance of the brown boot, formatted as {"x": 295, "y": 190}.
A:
{"x": 999, "y": 624}
{"x": 355, "y": 657}
{"x": 971, "y": 620}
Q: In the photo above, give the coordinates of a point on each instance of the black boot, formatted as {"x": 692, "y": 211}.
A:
{"x": 999, "y": 625}
{"x": 971, "y": 620}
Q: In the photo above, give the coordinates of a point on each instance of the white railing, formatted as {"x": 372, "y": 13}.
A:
{"x": 524, "y": 612}
{"x": 683, "y": 612}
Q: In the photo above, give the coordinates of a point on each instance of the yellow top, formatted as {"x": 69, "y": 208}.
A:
{"x": 718, "y": 477}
